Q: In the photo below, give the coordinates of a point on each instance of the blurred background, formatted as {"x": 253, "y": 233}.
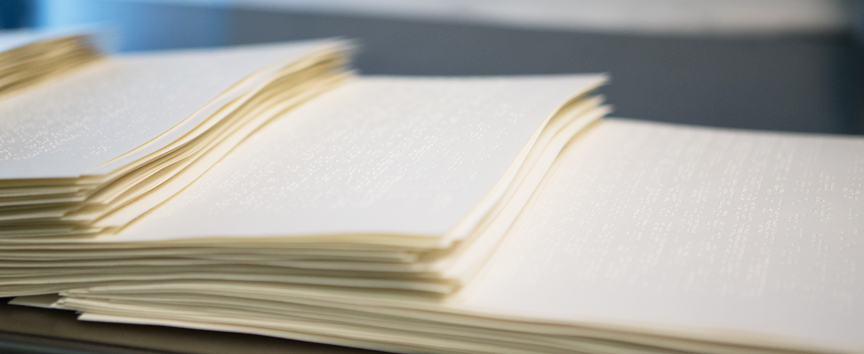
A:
{"x": 791, "y": 65}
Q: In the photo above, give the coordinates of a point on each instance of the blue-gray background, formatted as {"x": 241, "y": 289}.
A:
{"x": 808, "y": 82}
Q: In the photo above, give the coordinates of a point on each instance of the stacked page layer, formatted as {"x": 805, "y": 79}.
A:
{"x": 30, "y": 57}
{"x": 88, "y": 152}
{"x": 643, "y": 238}
{"x": 382, "y": 183}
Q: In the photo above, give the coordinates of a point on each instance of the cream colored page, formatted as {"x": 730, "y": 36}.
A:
{"x": 378, "y": 155}
{"x": 655, "y": 226}
{"x": 69, "y": 126}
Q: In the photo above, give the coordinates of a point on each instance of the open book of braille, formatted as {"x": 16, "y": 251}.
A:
{"x": 270, "y": 190}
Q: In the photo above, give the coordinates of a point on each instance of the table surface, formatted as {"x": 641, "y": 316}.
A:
{"x": 35, "y": 330}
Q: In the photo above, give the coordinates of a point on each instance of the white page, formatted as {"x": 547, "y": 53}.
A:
{"x": 85, "y": 119}
{"x": 403, "y": 156}
{"x": 691, "y": 230}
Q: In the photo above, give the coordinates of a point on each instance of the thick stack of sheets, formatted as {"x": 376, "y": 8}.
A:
{"x": 389, "y": 183}
{"x": 381, "y": 183}
{"x": 93, "y": 150}
{"x": 222, "y": 191}
{"x": 600, "y": 261}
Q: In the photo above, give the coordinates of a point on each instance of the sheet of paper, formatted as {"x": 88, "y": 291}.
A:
{"x": 403, "y": 156}
{"x": 85, "y": 119}
{"x": 695, "y": 230}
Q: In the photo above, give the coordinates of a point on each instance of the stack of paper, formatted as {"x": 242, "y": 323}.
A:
{"x": 392, "y": 183}
{"x": 643, "y": 238}
{"x": 452, "y": 215}
{"x": 381, "y": 183}
{"x": 90, "y": 151}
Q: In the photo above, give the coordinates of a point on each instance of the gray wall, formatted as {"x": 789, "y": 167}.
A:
{"x": 792, "y": 83}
